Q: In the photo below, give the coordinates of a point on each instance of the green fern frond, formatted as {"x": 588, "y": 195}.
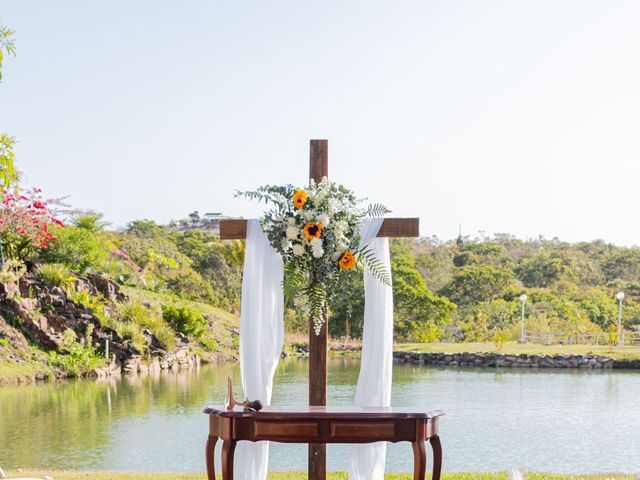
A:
{"x": 292, "y": 282}
{"x": 317, "y": 294}
{"x": 368, "y": 259}
{"x": 376, "y": 210}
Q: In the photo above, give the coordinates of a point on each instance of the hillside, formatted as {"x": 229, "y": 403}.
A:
{"x": 161, "y": 299}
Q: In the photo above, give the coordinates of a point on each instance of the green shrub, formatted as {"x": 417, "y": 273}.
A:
{"x": 78, "y": 248}
{"x": 499, "y": 339}
{"x": 133, "y": 334}
{"x": 12, "y": 270}
{"x": 77, "y": 358}
{"x": 185, "y": 320}
{"x": 55, "y": 274}
{"x": 135, "y": 313}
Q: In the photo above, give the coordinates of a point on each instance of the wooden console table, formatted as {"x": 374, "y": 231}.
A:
{"x": 320, "y": 425}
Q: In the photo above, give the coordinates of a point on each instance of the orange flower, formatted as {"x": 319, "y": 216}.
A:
{"x": 348, "y": 260}
{"x": 300, "y": 198}
{"x": 312, "y": 230}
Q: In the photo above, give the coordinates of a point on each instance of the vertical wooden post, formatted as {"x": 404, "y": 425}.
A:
{"x": 318, "y": 160}
{"x": 318, "y": 168}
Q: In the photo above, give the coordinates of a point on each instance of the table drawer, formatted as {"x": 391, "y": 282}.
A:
{"x": 368, "y": 431}
{"x": 285, "y": 430}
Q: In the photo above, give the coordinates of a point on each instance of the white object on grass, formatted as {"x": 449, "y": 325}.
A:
{"x": 517, "y": 474}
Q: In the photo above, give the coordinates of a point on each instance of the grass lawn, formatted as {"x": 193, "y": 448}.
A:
{"x": 300, "y": 476}
{"x": 619, "y": 353}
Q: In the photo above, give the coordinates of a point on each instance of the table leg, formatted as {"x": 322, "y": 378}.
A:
{"x": 228, "y": 449}
{"x": 210, "y": 452}
{"x": 437, "y": 457}
{"x": 419, "y": 460}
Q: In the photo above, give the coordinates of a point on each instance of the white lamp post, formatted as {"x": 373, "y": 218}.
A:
{"x": 620, "y": 297}
{"x": 523, "y": 299}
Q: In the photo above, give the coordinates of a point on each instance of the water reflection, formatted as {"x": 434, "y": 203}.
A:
{"x": 568, "y": 421}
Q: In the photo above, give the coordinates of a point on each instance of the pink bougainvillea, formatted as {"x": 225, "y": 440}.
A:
{"x": 25, "y": 219}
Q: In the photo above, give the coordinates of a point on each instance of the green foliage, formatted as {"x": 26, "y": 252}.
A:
{"x": 144, "y": 229}
{"x": 190, "y": 285}
{"x": 375, "y": 266}
{"x": 293, "y": 281}
{"x": 219, "y": 263}
{"x": 376, "y": 210}
{"x": 76, "y": 358}
{"x": 11, "y": 270}
{"x": 55, "y": 274}
{"x": 8, "y": 172}
{"x": 133, "y": 334}
{"x": 185, "y": 320}
{"x": 90, "y": 222}
{"x": 7, "y": 44}
{"x": 612, "y": 336}
{"x": 622, "y": 264}
{"x": 135, "y": 317}
{"x": 477, "y": 283}
{"x": 482, "y": 253}
{"x": 78, "y": 248}
{"x": 499, "y": 339}
{"x": 417, "y": 309}
{"x": 316, "y": 292}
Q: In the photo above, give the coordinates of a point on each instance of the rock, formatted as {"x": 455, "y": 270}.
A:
{"x": 108, "y": 288}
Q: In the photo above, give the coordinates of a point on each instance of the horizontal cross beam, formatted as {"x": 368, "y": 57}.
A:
{"x": 236, "y": 229}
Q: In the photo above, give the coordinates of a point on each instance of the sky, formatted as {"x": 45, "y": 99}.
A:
{"x": 503, "y": 116}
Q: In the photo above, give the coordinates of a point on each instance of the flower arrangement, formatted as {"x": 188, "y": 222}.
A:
{"x": 25, "y": 218}
{"x": 316, "y": 230}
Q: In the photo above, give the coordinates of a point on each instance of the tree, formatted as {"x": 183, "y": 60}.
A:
{"x": 623, "y": 264}
{"x": 89, "y": 221}
{"x": 477, "y": 283}
{"x": 544, "y": 269}
{"x": 7, "y": 44}
{"x": 8, "y": 173}
{"x": 417, "y": 309}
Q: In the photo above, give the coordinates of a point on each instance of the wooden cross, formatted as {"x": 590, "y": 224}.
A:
{"x": 231, "y": 229}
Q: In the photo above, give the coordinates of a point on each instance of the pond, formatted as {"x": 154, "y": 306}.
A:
{"x": 562, "y": 420}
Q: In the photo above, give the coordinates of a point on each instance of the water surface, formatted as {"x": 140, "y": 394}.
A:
{"x": 570, "y": 421}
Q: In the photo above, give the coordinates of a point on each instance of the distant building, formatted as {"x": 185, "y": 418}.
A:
{"x": 211, "y": 220}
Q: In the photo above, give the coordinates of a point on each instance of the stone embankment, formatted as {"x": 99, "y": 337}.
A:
{"x": 31, "y": 311}
{"x": 499, "y": 360}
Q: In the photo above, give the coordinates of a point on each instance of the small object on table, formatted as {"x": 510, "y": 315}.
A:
{"x": 231, "y": 403}
{"x": 322, "y": 425}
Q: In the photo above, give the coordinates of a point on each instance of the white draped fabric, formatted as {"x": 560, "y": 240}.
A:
{"x": 374, "y": 383}
{"x": 261, "y": 339}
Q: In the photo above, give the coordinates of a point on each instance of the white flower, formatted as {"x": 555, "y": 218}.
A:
{"x": 324, "y": 220}
{"x": 308, "y": 216}
{"x": 334, "y": 206}
{"x": 292, "y": 233}
{"x": 291, "y": 220}
{"x": 341, "y": 226}
{"x": 284, "y": 244}
{"x": 316, "y": 247}
{"x": 298, "y": 249}
{"x": 335, "y": 256}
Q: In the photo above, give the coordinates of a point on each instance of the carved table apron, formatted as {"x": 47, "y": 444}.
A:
{"x": 324, "y": 425}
